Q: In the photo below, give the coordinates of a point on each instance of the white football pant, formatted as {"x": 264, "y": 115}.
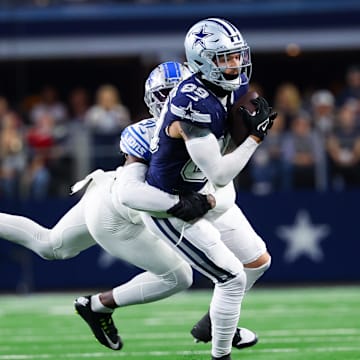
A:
{"x": 93, "y": 220}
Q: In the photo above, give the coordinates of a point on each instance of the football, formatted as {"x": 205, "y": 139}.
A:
{"x": 237, "y": 127}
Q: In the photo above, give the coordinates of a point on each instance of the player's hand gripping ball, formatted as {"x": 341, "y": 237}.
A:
{"x": 238, "y": 128}
{"x": 250, "y": 115}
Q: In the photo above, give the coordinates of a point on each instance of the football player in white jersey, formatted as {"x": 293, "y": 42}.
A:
{"x": 100, "y": 218}
{"x": 118, "y": 229}
{"x": 186, "y": 156}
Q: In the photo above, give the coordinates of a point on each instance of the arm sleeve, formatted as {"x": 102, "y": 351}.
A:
{"x": 132, "y": 190}
{"x": 225, "y": 197}
{"x": 220, "y": 170}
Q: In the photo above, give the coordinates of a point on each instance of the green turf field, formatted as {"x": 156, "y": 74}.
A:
{"x": 292, "y": 324}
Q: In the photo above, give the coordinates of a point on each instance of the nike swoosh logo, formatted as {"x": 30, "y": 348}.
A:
{"x": 263, "y": 126}
{"x": 113, "y": 345}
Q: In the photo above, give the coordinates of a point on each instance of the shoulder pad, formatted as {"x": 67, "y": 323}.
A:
{"x": 192, "y": 102}
{"x": 135, "y": 139}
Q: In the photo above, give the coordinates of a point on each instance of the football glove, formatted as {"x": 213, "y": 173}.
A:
{"x": 190, "y": 206}
{"x": 262, "y": 120}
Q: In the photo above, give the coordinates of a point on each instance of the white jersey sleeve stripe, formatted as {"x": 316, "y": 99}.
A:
{"x": 139, "y": 138}
{"x": 130, "y": 150}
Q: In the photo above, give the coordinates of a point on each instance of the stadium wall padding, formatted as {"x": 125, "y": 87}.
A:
{"x": 312, "y": 237}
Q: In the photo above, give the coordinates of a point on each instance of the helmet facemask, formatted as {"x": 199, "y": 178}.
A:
{"x": 220, "y": 63}
{"x": 159, "y": 84}
{"x": 155, "y": 100}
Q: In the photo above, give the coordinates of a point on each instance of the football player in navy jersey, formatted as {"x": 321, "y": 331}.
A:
{"x": 188, "y": 149}
{"x": 100, "y": 218}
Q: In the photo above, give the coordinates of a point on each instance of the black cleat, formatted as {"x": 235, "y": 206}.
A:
{"x": 101, "y": 324}
{"x": 243, "y": 337}
{"x": 202, "y": 329}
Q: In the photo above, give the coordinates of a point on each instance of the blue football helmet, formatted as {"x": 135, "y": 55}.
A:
{"x": 160, "y": 82}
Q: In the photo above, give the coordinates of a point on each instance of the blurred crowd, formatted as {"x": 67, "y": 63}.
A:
{"x": 46, "y": 143}
{"x": 314, "y": 143}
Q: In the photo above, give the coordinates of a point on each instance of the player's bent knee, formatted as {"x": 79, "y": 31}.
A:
{"x": 236, "y": 284}
{"x": 184, "y": 276}
{"x": 241, "y": 279}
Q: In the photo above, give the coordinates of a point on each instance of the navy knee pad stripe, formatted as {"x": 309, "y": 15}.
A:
{"x": 195, "y": 255}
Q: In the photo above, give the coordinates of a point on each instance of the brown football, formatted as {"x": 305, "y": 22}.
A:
{"x": 237, "y": 127}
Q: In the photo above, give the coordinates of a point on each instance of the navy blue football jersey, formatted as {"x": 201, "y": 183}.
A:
{"x": 171, "y": 168}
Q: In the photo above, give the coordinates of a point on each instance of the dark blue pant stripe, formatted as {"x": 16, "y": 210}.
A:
{"x": 221, "y": 274}
{"x": 192, "y": 252}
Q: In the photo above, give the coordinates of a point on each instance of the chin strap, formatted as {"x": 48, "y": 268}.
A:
{"x": 216, "y": 89}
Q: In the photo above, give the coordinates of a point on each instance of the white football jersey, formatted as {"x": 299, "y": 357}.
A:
{"x": 135, "y": 139}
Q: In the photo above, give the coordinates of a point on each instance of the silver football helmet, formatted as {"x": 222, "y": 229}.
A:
{"x": 160, "y": 82}
{"x": 209, "y": 45}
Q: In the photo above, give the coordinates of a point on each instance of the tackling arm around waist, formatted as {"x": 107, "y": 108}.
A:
{"x": 132, "y": 190}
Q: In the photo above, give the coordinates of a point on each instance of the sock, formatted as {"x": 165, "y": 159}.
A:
{"x": 97, "y": 306}
{"x": 253, "y": 274}
{"x": 225, "y": 312}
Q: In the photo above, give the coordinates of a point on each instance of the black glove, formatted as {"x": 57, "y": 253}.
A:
{"x": 263, "y": 119}
{"x": 190, "y": 206}
{"x": 272, "y": 116}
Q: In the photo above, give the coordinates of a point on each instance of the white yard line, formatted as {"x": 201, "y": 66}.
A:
{"x": 331, "y": 349}
{"x": 266, "y": 335}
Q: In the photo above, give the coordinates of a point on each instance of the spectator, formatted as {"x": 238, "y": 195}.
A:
{"x": 49, "y": 104}
{"x": 12, "y": 154}
{"x": 323, "y": 111}
{"x": 50, "y": 170}
{"x": 108, "y": 115}
{"x": 41, "y": 142}
{"x": 106, "y": 120}
{"x": 265, "y": 165}
{"x": 303, "y": 156}
{"x": 352, "y": 87}
{"x": 344, "y": 149}
{"x": 79, "y": 104}
{"x": 79, "y": 137}
{"x": 4, "y": 106}
{"x": 288, "y": 101}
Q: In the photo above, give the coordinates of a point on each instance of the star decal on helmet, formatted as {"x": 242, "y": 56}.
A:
{"x": 200, "y": 36}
